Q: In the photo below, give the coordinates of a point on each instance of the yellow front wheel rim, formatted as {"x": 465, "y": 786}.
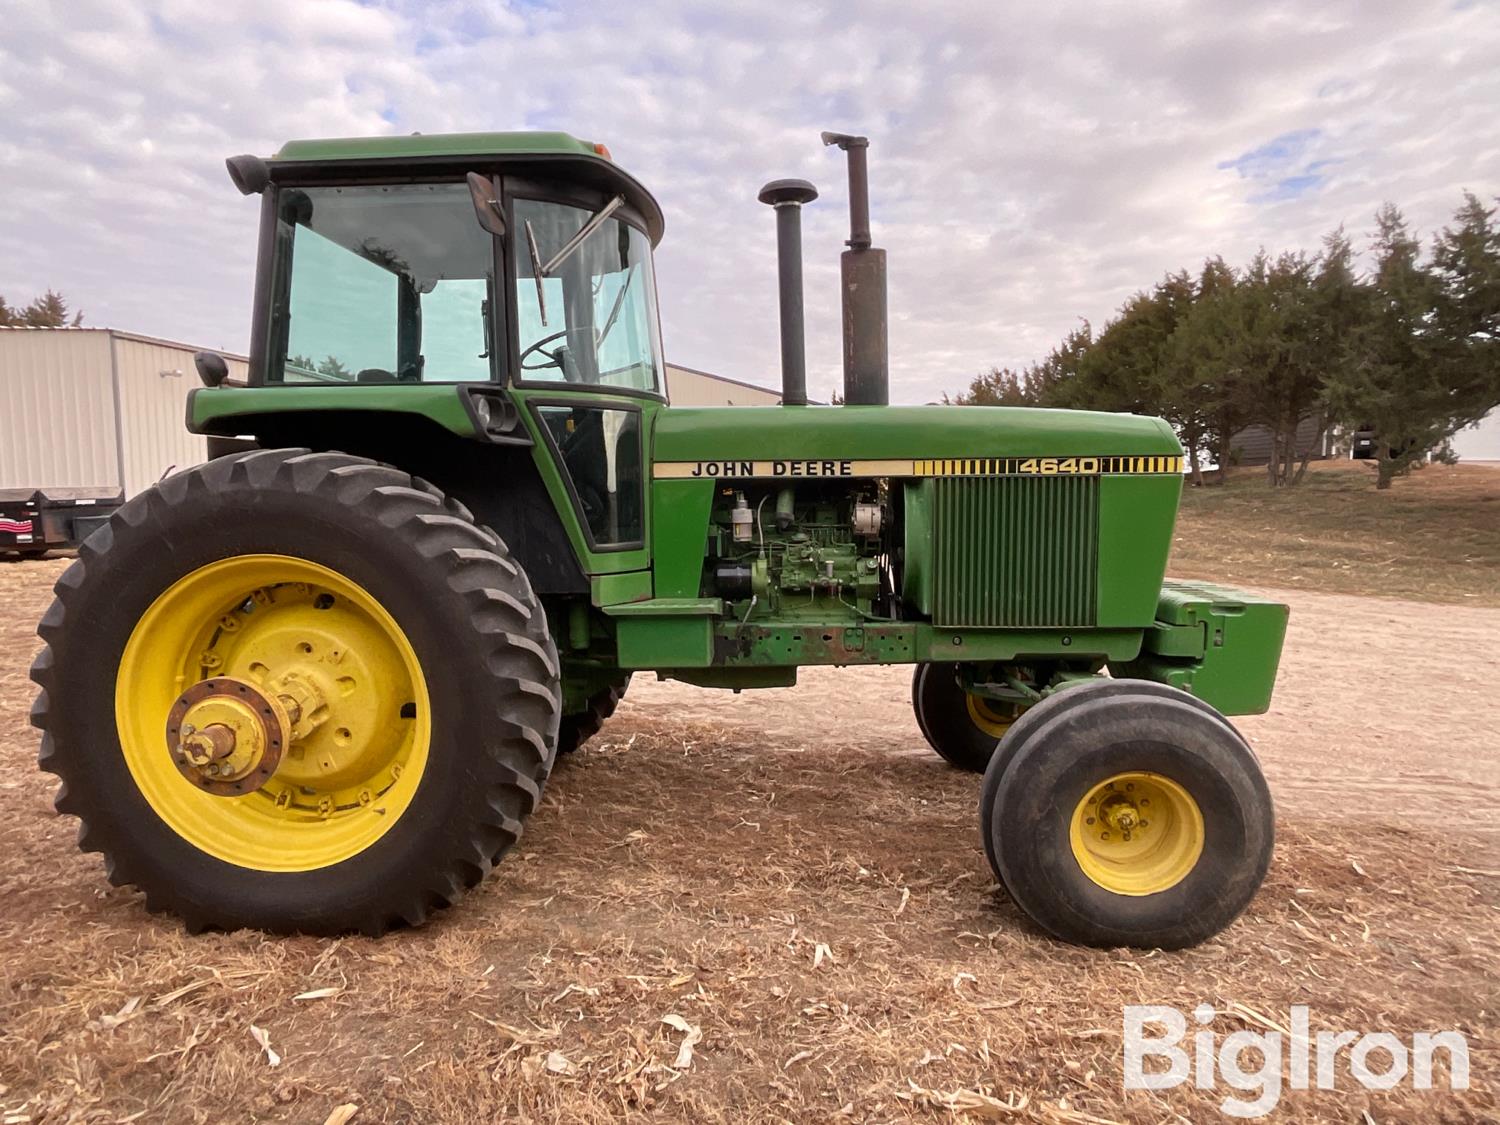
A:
{"x": 312, "y": 638}
{"x": 1137, "y": 833}
{"x": 992, "y": 718}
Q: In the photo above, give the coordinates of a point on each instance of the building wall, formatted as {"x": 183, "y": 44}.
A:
{"x": 94, "y": 408}
{"x": 1252, "y": 445}
{"x": 1481, "y": 442}
{"x": 57, "y": 412}
{"x": 687, "y": 387}
{"x": 154, "y": 380}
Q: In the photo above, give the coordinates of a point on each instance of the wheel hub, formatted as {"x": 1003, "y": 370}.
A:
{"x": 227, "y": 736}
{"x": 295, "y": 651}
{"x": 1137, "y": 833}
{"x": 280, "y": 682}
{"x": 991, "y": 716}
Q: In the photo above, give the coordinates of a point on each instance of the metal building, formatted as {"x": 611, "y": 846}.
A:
{"x": 1481, "y": 441}
{"x": 689, "y": 387}
{"x": 95, "y": 410}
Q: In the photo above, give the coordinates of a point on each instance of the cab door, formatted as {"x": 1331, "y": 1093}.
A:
{"x": 588, "y": 372}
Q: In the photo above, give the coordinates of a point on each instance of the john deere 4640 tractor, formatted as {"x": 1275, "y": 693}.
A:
{"x": 318, "y": 683}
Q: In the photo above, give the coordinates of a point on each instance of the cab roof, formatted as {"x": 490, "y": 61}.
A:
{"x": 420, "y": 145}
{"x": 538, "y": 154}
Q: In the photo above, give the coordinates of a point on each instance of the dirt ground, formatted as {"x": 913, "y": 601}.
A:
{"x": 1433, "y": 536}
{"x": 793, "y": 877}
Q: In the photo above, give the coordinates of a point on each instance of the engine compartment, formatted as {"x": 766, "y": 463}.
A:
{"x": 814, "y": 550}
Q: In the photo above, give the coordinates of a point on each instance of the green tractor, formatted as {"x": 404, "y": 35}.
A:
{"x": 318, "y": 683}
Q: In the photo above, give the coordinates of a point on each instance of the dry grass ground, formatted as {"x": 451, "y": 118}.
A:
{"x": 793, "y": 876}
{"x": 1433, "y": 536}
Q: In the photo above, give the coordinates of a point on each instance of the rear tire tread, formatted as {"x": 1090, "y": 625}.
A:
{"x": 510, "y": 644}
{"x": 574, "y": 730}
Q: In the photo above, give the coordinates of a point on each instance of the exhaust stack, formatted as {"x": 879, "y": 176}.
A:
{"x": 788, "y": 196}
{"x": 867, "y": 377}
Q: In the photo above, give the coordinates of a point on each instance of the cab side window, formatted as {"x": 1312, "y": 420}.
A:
{"x": 599, "y": 448}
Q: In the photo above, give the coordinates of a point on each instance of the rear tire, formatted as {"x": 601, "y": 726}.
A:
{"x": 950, "y": 718}
{"x": 455, "y": 602}
{"x": 1133, "y": 820}
{"x": 574, "y": 730}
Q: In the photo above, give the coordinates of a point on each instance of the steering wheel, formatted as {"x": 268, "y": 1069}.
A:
{"x": 552, "y": 360}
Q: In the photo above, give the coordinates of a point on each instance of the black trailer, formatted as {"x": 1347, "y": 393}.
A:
{"x": 35, "y": 521}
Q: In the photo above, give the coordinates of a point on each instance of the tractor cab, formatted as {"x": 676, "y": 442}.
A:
{"x": 396, "y": 282}
{"x": 510, "y": 273}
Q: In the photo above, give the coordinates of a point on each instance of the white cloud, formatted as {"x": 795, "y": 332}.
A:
{"x": 1031, "y": 164}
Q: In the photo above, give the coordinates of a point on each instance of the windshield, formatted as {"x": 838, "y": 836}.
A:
{"x": 381, "y": 284}
{"x": 586, "y": 309}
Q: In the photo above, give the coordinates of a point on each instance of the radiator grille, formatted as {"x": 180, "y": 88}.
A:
{"x": 1016, "y": 551}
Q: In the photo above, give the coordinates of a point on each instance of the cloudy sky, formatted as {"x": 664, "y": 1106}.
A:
{"x": 1031, "y": 163}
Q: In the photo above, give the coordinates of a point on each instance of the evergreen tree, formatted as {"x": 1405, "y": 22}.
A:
{"x": 47, "y": 311}
{"x": 1408, "y": 383}
{"x": 999, "y": 386}
{"x": 1205, "y": 362}
{"x": 1046, "y": 379}
{"x": 1412, "y": 349}
{"x": 1338, "y": 310}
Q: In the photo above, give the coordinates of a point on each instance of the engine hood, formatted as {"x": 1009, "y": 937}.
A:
{"x": 719, "y": 433}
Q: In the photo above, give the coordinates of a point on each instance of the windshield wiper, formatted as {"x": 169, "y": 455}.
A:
{"x": 537, "y": 272}
{"x": 614, "y": 310}
{"x": 596, "y": 220}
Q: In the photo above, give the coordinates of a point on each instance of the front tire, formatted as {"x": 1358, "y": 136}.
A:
{"x": 1031, "y": 723}
{"x": 1133, "y": 820}
{"x": 404, "y": 653}
{"x": 963, "y": 728}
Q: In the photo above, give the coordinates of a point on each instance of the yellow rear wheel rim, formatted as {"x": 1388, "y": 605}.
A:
{"x": 274, "y": 621}
{"x": 1137, "y": 833}
{"x": 991, "y": 717}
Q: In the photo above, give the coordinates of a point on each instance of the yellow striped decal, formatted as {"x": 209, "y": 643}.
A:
{"x": 945, "y": 467}
{"x": 1046, "y": 466}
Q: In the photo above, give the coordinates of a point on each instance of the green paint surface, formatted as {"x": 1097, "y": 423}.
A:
{"x": 435, "y": 145}
{"x": 213, "y": 410}
{"x": 1222, "y": 645}
{"x": 1136, "y": 516}
{"x": 706, "y": 433}
{"x": 665, "y": 642}
{"x": 624, "y": 588}
{"x": 680, "y": 538}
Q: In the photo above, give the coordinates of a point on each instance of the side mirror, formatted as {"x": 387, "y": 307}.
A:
{"x": 249, "y": 174}
{"x": 212, "y": 368}
{"x": 487, "y": 208}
